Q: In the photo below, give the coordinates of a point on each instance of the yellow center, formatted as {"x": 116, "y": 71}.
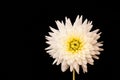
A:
{"x": 74, "y": 44}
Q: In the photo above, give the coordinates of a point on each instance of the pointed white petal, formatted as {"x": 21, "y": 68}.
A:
{"x": 52, "y": 29}
{"x": 100, "y": 49}
{"x": 90, "y": 61}
{"x": 71, "y": 68}
{"x": 50, "y": 33}
{"x": 95, "y": 31}
{"x": 78, "y": 21}
{"x": 96, "y": 57}
{"x": 59, "y": 61}
{"x": 48, "y": 37}
{"x": 92, "y": 53}
{"x": 99, "y": 44}
{"x": 89, "y": 28}
{"x": 48, "y": 48}
{"x": 78, "y": 60}
{"x": 76, "y": 67}
{"x": 84, "y": 61}
{"x": 60, "y": 26}
{"x": 64, "y": 66}
{"x": 85, "y": 22}
{"x": 99, "y": 33}
{"x": 68, "y": 23}
{"x": 55, "y": 60}
{"x": 97, "y": 52}
{"x": 70, "y": 61}
{"x": 84, "y": 67}
{"x": 81, "y": 17}
{"x": 91, "y": 23}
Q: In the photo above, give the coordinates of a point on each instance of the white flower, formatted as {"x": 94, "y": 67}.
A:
{"x": 74, "y": 45}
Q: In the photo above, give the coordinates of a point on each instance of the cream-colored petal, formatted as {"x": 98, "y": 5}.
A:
{"x": 88, "y": 56}
{"x": 56, "y": 55}
{"x": 84, "y": 67}
{"x": 97, "y": 52}
{"x": 59, "y": 61}
{"x": 101, "y": 49}
{"x": 96, "y": 57}
{"x": 53, "y": 34}
{"x": 55, "y": 60}
{"x": 53, "y": 30}
{"x": 64, "y": 66}
{"x": 89, "y": 28}
{"x": 90, "y": 61}
{"x": 68, "y": 23}
{"x": 48, "y": 48}
{"x": 78, "y": 60}
{"x": 76, "y": 67}
{"x": 93, "y": 53}
{"x": 99, "y": 44}
{"x": 71, "y": 68}
{"x": 60, "y": 26}
{"x": 78, "y": 21}
{"x": 84, "y": 61}
{"x": 96, "y": 31}
{"x": 70, "y": 61}
{"x": 85, "y": 22}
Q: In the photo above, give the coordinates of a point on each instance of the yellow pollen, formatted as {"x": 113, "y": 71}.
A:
{"x": 74, "y": 44}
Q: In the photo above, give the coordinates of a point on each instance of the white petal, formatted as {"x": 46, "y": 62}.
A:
{"x": 100, "y": 33}
{"x": 82, "y": 57}
{"x": 95, "y": 31}
{"x": 71, "y": 68}
{"x": 76, "y": 67}
{"x": 60, "y": 26}
{"x": 90, "y": 23}
{"x": 89, "y": 28}
{"x": 53, "y": 30}
{"x": 81, "y": 19}
{"x": 64, "y": 66}
{"x": 55, "y": 55}
{"x": 100, "y": 49}
{"x": 90, "y": 61}
{"x": 68, "y": 23}
{"x": 48, "y": 48}
{"x": 59, "y": 61}
{"x": 48, "y": 37}
{"x": 84, "y": 67}
{"x": 97, "y": 52}
{"x": 78, "y": 60}
{"x": 50, "y": 33}
{"x": 85, "y": 22}
{"x": 70, "y": 61}
{"x": 96, "y": 57}
{"x": 99, "y": 44}
{"x": 92, "y": 53}
{"x": 84, "y": 61}
{"x": 96, "y": 48}
{"x": 97, "y": 37}
{"x": 53, "y": 34}
{"x": 78, "y": 21}
{"x": 88, "y": 56}
{"x": 55, "y": 60}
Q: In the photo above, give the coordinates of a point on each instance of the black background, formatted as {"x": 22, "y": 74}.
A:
{"x": 36, "y": 25}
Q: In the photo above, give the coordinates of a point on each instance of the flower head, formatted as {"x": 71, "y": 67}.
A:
{"x": 74, "y": 45}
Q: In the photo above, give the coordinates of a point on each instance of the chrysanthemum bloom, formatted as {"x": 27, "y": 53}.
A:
{"x": 74, "y": 45}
